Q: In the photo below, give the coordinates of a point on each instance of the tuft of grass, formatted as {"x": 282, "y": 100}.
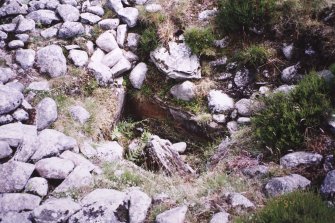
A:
{"x": 149, "y": 41}
{"x": 302, "y": 207}
{"x": 332, "y": 68}
{"x": 254, "y": 56}
{"x": 200, "y": 40}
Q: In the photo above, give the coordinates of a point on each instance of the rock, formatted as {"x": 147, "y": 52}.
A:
{"x": 6, "y": 74}
{"x": 327, "y": 75}
{"x": 244, "y": 107}
{"x": 177, "y": 62}
{"x": 25, "y": 25}
{"x": 242, "y": 78}
{"x": 5, "y": 150}
{"x": 257, "y": 171}
{"x": 106, "y": 41}
{"x": 133, "y": 40}
{"x": 50, "y": 32}
{"x": 97, "y": 56}
{"x": 54, "y": 168}
{"x": 219, "y": 102}
{"x": 69, "y": 2}
{"x": 288, "y": 51}
{"x": 122, "y": 66}
{"x": 282, "y": 185}
{"x": 6, "y": 119}
{"x": 129, "y": 16}
{"x": 55, "y": 210}
{"x": 78, "y": 160}
{"x": 96, "y": 9}
{"x": 111, "y": 58}
{"x": 153, "y": 8}
{"x": 51, "y": 143}
{"x": 297, "y": 159}
{"x": 11, "y": 217}
{"x": 175, "y": 215}
{"x": 3, "y": 35}
{"x": 43, "y": 17}
{"x": 25, "y": 58}
{"x": 39, "y": 86}
{"x": 71, "y": 30}
{"x": 328, "y": 164}
{"x": 68, "y": 13}
{"x": 46, "y": 113}
{"x": 79, "y": 114}
{"x": 115, "y": 5}
{"x": 219, "y": 62}
{"x": 328, "y": 185}
{"x": 15, "y": 44}
{"x": 219, "y": 118}
{"x": 14, "y": 176}
{"x": 179, "y": 147}
{"x": 101, "y": 72}
{"x": 51, "y": 60}
{"x": 238, "y": 202}
{"x": 10, "y": 99}
{"x": 232, "y": 127}
{"x": 21, "y": 115}
{"x": 121, "y": 34}
{"x": 133, "y": 58}
{"x": 9, "y": 27}
{"x": 17, "y": 86}
{"x": 207, "y": 14}
{"x": 38, "y": 186}
{"x": 12, "y": 8}
{"x": 108, "y": 24}
{"x": 243, "y": 120}
{"x": 290, "y": 74}
{"x": 139, "y": 204}
{"x": 138, "y": 75}
{"x": 109, "y": 151}
{"x": 184, "y": 91}
{"x": 79, "y": 178}
{"x": 89, "y": 18}
{"x": 23, "y": 37}
{"x": 18, "y": 202}
{"x": 284, "y": 89}
{"x": 102, "y": 205}
{"x": 220, "y": 217}
{"x": 79, "y": 57}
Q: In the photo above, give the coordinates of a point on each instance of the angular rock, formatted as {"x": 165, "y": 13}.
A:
{"x": 79, "y": 114}
{"x": 177, "y": 62}
{"x": 288, "y": 51}
{"x": 184, "y": 91}
{"x": 137, "y": 75}
{"x": 97, "y": 56}
{"x": 89, "y": 18}
{"x": 69, "y": 2}
{"x": 6, "y": 74}
{"x": 77, "y": 159}
{"x": 153, "y": 8}
{"x": 38, "y": 186}
{"x": 139, "y": 204}
{"x": 5, "y": 150}
{"x": 122, "y": 66}
{"x": 3, "y": 35}
{"x": 242, "y": 78}
{"x": 39, "y": 86}
{"x": 257, "y": 171}
{"x": 133, "y": 40}
{"x": 101, "y": 72}
{"x": 12, "y": 217}
{"x": 18, "y": 202}
{"x": 175, "y": 215}
{"x": 106, "y": 41}
{"x": 180, "y": 147}
{"x": 129, "y": 16}
{"x": 21, "y": 115}
{"x": 50, "y": 32}
{"x": 111, "y": 58}
{"x": 51, "y": 60}
{"x": 25, "y": 58}
{"x": 219, "y": 102}
{"x": 328, "y": 185}
{"x": 79, "y": 57}
{"x": 220, "y": 217}
{"x": 71, "y": 30}
{"x": 296, "y": 159}
{"x": 108, "y": 24}
{"x": 96, "y": 9}
{"x": 68, "y": 13}
{"x": 10, "y": 99}
{"x": 114, "y": 5}
{"x": 12, "y": 8}
{"x": 109, "y": 151}
{"x": 15, "y": 44}
{"x": 25, "y": 25}
{"x": 44, "y": 17}
{"x": 121, "y": 34}
{"x": 46, "y": 113}
{"x": 239, "y": 202}
{"x": 54, "y": 168}
{"x": 290, "y": 74}
{"x": 23, "y": 37}
{"x": 244, "y": 107}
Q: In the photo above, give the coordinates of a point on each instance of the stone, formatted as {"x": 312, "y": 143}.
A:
{"x": 11, "y": 9}
{"x": 52, "y": 143}
{"x": 133, "y": 40}
{"x": 89, "y": 18}
{"x": 51, "y": 60}
{"x": 10, "y": 99}
{"x": 284, "y": 89}
{"x": 207, "y": 14}
{"x": 139, "y": 204}
{"x": 174, "y": 215}
{"x": 9, "y": 27}
{"x": 153, "y": 8}
{"x": 14, "y": 176}
{"x": 79, "y": 178}
{"x": 122, "y": 66}
{"x": 25, "y": 58}
{"x": 121, "y": 34}
{"x": 23, "y": 37}
{"x": 244, "y": 107}
{"x": 257, "y": 171}
{"x": 46, "y": 113}
{"x": 243, "y": 120}
{"x": 115, "y": 5}
{"x": 38, "y": 186}
{"x": 138, "y": 75}
{"x": 3, "y": 35}
{"x": 101, "y": 72}
{"x": 54, "y": 168}
{"x": 71, "y": 30}
{"x": 6, "y": 74}
{"x": 97, "y": 56}
{"x": 130, "y": 56}
{"x": 15, "y": 44}
{"x": 242, "y": 78}
{"x": 43, "y": 17}
{"x": 109, "y": 151}
{"x": 68, "y": 13}
{"x": 5, "y": 119}
{"x": 298, "y": 159}
{"x": 290, "y": 74}
{"x": 288, "y": 50}
{"x": 328, "y": 185}
{"x": 16, "y": 85}
{"x": 96, "y": 9}
{"x": 55, "y": 210}
{"x": 232, "y": 127}
{"x": 78, "y": 57}
{"x": 219, "y": 62}
{"x": 78, "y": 160}
{"x": 50, "y": 32}
{"x": 11, "y": 217}
{"x": 108, "y": 24}
{"x": 25, "y": 25}
{"x": 21, "y": 115}
{"x": 18, "y": 202}
{"x": 79, "y": 114}
{"x": 106, "y": 41}
{"x": 219, "y": 118}
{"x": 219, "y": 102}
{"x": 69, "y": 2}
{"x": 5, "y": 150}
{"x": 39, "y": 86}
{"x": 129, "y": 15}
{"x": 327, "y": 75}
{"x": 177, "y": 62}
{"x": 286, "y": 184}
{"x": 179, "y": 147}
{"x": 220, "y": 217}
{"x": 111, "y": 58}
{"x": 238, "y": 202}
{"x": 185, "y": 91}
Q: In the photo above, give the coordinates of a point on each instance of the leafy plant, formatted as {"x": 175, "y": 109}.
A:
{"x": 149, "y": 40}
{"x": 254, "y": 55}
{"x": 200, "y": 40}
{"x": 282, "y": 125}
{"x": 302, "y": 207}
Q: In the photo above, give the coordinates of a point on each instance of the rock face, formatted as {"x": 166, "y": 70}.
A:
{"x": 54, "y": 168}
{"x": 300, "y": 159}
{"x": 328, "y": 185}
{"x": 219, "y": 102}
{"x": 137, "y": 75}
{"x": 177, "y": 62}
{"x": 175, "y": 215}
{"x": 14, "y": 176}
{"x": 46, "y": 113}
{"x": 184, "y": 91}
{"x": 18, "y": 202}
{"x": 10, "y": 99}
{"x": 51, "y": 60}
{"x": 281, "y": 185}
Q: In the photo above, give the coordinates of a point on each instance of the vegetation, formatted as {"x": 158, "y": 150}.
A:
{"x": 200, "y": 40}
{"x": 286, "y": 119}
{"x": 149, "y": 41}
{"x": 302, "y": 207}
{"x": 254, "y": 55}
{"x": 332, "y": 68}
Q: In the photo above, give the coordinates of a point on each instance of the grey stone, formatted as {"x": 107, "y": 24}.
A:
{"x": 328, "y": 185}
{"x": 109, "y": 151}
{"x": 50, "y": 32}
{"x": 78, "y": 160}
{"x": 284, "y": 89}
{"x": 129, "y": 16}
{"x": 25, "y": 58}
{"x": 286, "y": 184}
{"x": 13, "y": 217}
{"x": 288, "y": 50}
{"x": 5, "y": 119}
{"x": 51, "y": 60}
{"x": 139, "y": 204}
{"x": 71, "y": 30}
{"x": 232, "y": 127}
{"x": 180, "y": 147}
{"x": 219, "y": 118}
{"x": 108, "y": 24}
{"x": 138, "y": 75}
{"x": 54, "y": 168}
{"x": 46, "y": 113}
{"x": 327, "y": 75}
{"x": 3, "y": 35}
{"x": 101, "y": 72}
{"x": 257, "y": 171}
{"x": 25, "y": 25}
{"x": 23, "y": 37}
{"x": 244, "y": 107}
{"x": 111, "y": 58}
{"x": 89, "y": 18}
{"x": 39, "y": 86}
{"x": 243, "y": 120}
{"x": 97, "y": 56}
{"x": 5, "y": 150}
{"x": 69, "y": 2}
{"x": 6, "y": 74}
{"x": 79, "y": 57}
{"x": 55, "y": 210}
{"x": 9, "y": 27}
{"x": 219, "y": 102}
{"x": 290, "y": 74}
{"x": 38, "y": 186}
{"x": 122, "y": 66}
{"x": 175, "y": 215}
{"x": 10, "y": 99}
{"x": 68, "y": 13}
{"x": 153, "y": 8}
{"x": 121, "y": 34}
{"x": 207, "y": 14}
{"x": 114, "y": 5}
{"x": 242, "y": 78}
{"x": 18, "y": 202}
{"x": 15, "y": 44}
{"x": 16, "y": 85}
{"x": 177, "y": 62}
{"x": 44, "y": 17}
{"x": 96, "y": 9}
{"x": 220, "y": 217}
{"x": 133, "y": 40}
{"x": 79, "y": 114}
{"x": 21, "y": 115}
{"x": 184, "y": 91}
{"x": 239, "y": 202}
{"x": 106, "y": 41}
{"x": 297, "y": 159}
{"x": 12, "y": 8}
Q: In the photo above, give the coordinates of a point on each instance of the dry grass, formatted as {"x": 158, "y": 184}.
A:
{"x": 204, "y": 86}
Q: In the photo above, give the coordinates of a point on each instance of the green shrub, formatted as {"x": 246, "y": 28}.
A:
{"x": 238, "y": 15}
{"x": 254, "y": 55}
{"x": 149, "y": 41}
{"x": 199, "y": 40}
{"x": 282, "y": 125}
{"x": 332, "y": 68}
{"x": 296, "y": 207}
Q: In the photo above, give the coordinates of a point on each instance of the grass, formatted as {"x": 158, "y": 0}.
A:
{"x": 332, "y": 68}
{"x": 149, "y": 41}
{"x": 200, "y": 40}
{"x": 254, "y": 56}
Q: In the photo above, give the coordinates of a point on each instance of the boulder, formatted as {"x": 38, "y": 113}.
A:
{"x": 244, "y": 107}
{"x": 10, "y": 99}
{"x": 44, "y": 17}
{"x": 12, "y": 8}
{"x": 108, "y": 24}
{"x": 5, "y": 150}
{"x": 51, "y": 60}
{"x": 114, "y": 5}
{"x": 46, "y": 113}
{"x": 89, "y": 18}
{"x": 297, "y": 159}
{"x": 15, "y": 44}
{"x": 79, "y": 114}
{"x": 185, "y": 91}
{"x": 111, "y": 58}
{"x": 54, "y": 168}
{"x": 328, "y": 185}
{"x": 106, "y": 41}
{"x": 101, "y": 72}
{"x": 70, "y": 30}
{"x": 39, "y": 86}
{"x": 219, "y": 102}
{"x": 18, "y": 202}
{"x": 6, "y": 74}
{"x": 129, "y": 15}
{"x": 238, "y": 202}
{"x": 138, "y": 75}
{"x": 109, "y": 151}
{"x": 78, "y": 57}
{"x": 38, "y": 186}
{"x": 121, "y": 34}
{"x": 25, "y": 58}
{"x": 288, "y": 50}
{"x": 25, "y": 25}
{"x": 290, "y": 74}
{"x": 77, "y": 159}
{"x": 257, "y": 171}
{"x": 133, "y": 40}
{"x": 20, "y": 115}
{"x": 220, "y": 217}
{"x": 242, "y": 78}
{"x": 50, "y": 32}
{"x": 69, "y": 2}
{"x": 96, "y": 9}
{"x": 122, "y": 66}
{"x": 68, "y": 13}
{"x": 139, "y": 204}
{"x": 174, "y": 215}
